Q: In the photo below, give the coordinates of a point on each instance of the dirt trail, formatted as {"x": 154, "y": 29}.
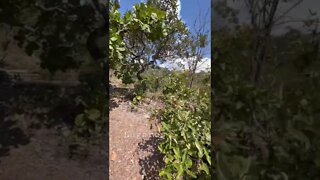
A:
{"x": 133, "y": 143}
{"x": 34, "y": 137}
{"x": 43, "y": 158}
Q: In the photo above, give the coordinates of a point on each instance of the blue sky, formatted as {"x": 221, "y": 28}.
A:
{"x": 190, "y": 10}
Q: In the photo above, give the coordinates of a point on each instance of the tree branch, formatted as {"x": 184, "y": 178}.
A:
{"x": 102, "y": 11}
{"x": 288, "y": 10}
{"x": 56, "y": 8}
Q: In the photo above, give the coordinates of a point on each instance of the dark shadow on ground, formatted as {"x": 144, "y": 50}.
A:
{"x": 51, "y": 103}
{"x": 10, "y": 134}
{"x": 151, "y": 164}
{"x": 113, "y": 104}
{"x": 27, "y": 107}
{"x": 122, "y": 94}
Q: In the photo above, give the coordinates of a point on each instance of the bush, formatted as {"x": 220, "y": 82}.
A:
{"x": 185, "y": 121}
{"x": 259, "y": 135}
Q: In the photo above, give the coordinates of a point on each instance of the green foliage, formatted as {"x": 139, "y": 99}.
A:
{"x": 154, "y": 79}
{"x": 261, "y": 133}
{"x": 58, "y": 32}
{"x": 185, "y": 121}
{"x": 263, "y": 137}
{"x": 152, "y": 83}
{"x": 136, "y": 100}
{"x": 145, "y": 22}
{"x": 90, "y": 124}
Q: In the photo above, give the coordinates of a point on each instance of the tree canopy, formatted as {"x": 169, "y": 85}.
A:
{"x": 62, "y": 33}
{"x": 149, "y": 33}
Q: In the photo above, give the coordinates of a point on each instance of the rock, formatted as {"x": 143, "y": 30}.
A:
{"x": 113, "y": 156}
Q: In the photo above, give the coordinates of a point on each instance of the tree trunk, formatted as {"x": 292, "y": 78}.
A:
{"x": 191, "y": 80}
{"x": 193, "y": 72}
{"x": 140, "y": 79}
{"x": 262, "y": 20}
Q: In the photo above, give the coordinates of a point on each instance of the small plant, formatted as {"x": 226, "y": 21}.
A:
{"x": 136, "y": 100}
{"x": 139, "y": 93}
{"x": 88, "y": 122}
{"x": 89, "y": 125}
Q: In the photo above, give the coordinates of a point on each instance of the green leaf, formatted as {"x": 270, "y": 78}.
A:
{"x": 190, "y": 173}
{"x": 204, "y": 167}
{"x": 113, "y": 38}
{"x": 162, "y": 173}
{"x": 167, "y": 160}
{"x": 116, "y": 5}
{"x": 166, "y": 126}
{"x": 207, "y": 155}
{"x": 93, "y": 114}
{"x": 145, "y": 27}
{"x": 177, "y": 152}
{"x": 180, "y": 171}
{"x": 208, "y": 136}
{"x": 184, "y": 156}
{"x": 121, "y": 49}
{"x": 79, "y": 121}
{"x": 127, "y": 15}
{"x": 138, "y": 97}
{"x": 188, "y": 162}
{"x": 154, "y": 16}
{"x": 200, "y": 153}
{"x": 169, "y": 176}
{"x": 166, "y": 172}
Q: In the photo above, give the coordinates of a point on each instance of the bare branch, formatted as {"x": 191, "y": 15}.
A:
{"x": 289, "y": 21}
{"x": 288, "y": 11}
{"x": 56, "y": 8}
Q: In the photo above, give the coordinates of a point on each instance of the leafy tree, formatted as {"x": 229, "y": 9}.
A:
{"x": 142, "y": 36}
{"x": 58, "y": 31}
{"x": 67, "y": 34}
